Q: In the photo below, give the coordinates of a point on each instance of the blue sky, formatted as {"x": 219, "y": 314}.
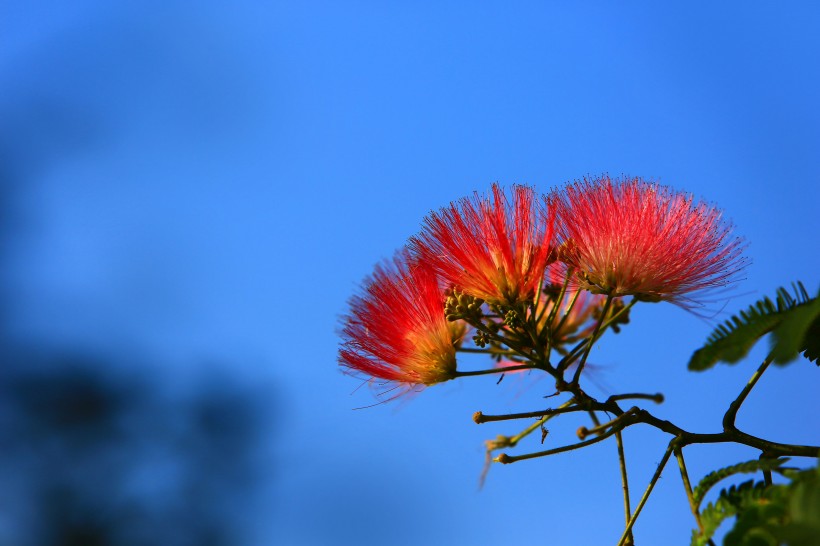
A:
{"x": 214, "y": 182}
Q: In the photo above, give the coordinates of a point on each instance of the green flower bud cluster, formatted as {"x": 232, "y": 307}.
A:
{"x": 459, "y": 305}
{"x": 481, "y": 339}
{"x": 511, "y": 318}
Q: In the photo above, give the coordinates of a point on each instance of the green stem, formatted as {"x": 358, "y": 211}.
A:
{"x": 558, "y": 301}
{"x": 625, "y": 482}
{"x": 491, "y": 351}
{"x": 480, "y": 418}
{"x": 583, "y": 361}
{"x": 531, "y": 327}
{"x": 594, "y": 418}
{"x": 600, "y": 428}
{"x": 767, "y": 474}
{"x": 478, "y": 325}
{"x": 513, "y": 441}
{"x": 688, "y": 488}
{"x": 731, "y": 413}
{"x": 567, "y": 311}
{"x": 495, "y": 370}
{"x": 570, "y": 357}
{"x": 625, "y": 536}
{"x": 506, "y": 459}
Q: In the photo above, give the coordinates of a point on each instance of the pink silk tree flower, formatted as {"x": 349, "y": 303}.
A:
{"x": 396, "y": 330}
{"x": 490, "y": 247}
{"x": 631, "y": 237}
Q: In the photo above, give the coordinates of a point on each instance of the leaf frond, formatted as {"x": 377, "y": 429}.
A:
{"x": 730, "y": 502}
{"x": 733, "y": 339}
{"x": 748, "y": 467}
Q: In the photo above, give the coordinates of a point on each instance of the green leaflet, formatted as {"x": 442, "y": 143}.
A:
{"x": 728, "y": 504}
{"x": 748, "y": 467}
{"x": 793, "y": 318}
{"x": 799, "y": 331}
{"x": 811, "y": 343}
{"x": 775, "y": 515}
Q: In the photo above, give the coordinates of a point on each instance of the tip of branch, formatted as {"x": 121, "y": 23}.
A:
{"x": 478, "y": 417}
{"x": 503, "y": 459}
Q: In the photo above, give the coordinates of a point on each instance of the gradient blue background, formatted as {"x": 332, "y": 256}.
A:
{"x": 196, "y": 180}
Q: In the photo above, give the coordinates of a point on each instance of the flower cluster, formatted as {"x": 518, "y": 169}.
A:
{"x": 630, "y": 237}
{"x": 531, "y": 273}
{"x": 396, "y": 330}
{"x": 490, "y": 248}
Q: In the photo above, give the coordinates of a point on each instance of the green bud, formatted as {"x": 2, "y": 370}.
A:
{"x": 511, "y": 318}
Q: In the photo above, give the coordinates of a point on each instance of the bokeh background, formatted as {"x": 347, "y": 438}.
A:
{"x": 192, "y": 191}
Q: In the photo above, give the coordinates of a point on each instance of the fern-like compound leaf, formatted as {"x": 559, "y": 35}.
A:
{"x": 748, "y": 467}
{"x": 732, "y": 340}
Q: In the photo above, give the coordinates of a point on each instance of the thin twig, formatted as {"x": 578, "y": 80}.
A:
{"x": 583, "y": 432}
{"x": 513, "y": 440}
{"x": 767, "y": 473}
{"x": 506, "y": 459}
{"x": 646, "y": 494}
{"x": 592, "y": 338}
{"x": 570, "y": 356}
{"x": 567, "y": 311}
{"x": 657, "y": 398}
{"x": 503, "y": 369}
{"x": 625, "y": 481}
{"x": 731, "y": 413}
{"x": 480, "y": 418}
{"x": 688, "y": 488}
{"x": 490, "y": 351}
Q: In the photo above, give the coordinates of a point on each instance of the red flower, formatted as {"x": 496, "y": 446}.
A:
{"x": 396, "y": 330}
{"x": 488, "y": 247}
{"x": 630, "y": 237}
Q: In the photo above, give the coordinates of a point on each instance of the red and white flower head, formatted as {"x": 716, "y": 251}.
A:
{"x": 490, "y": 247}
{"x": 396, "y": 330}
{"x": 631, "y": 237}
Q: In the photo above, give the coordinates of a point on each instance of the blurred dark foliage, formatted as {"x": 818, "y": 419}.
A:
{"x": 101, "y": 450}
{"x": 91, "y": 454}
